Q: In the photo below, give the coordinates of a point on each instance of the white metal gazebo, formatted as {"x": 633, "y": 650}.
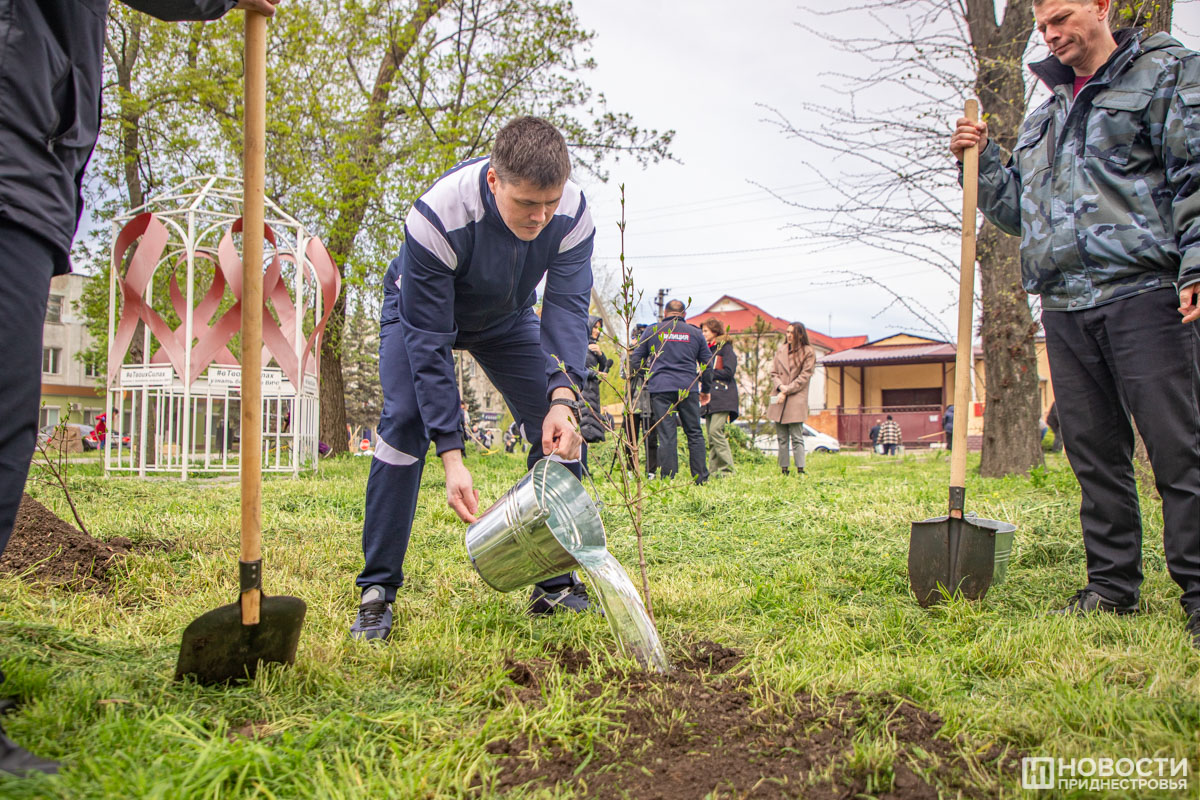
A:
{"x": 176, "y": 408}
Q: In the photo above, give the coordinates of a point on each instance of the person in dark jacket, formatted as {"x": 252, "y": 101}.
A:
{"x": 51, "y": 65}
{"x": 948, "y": 425}
{"x": 477, "y": 244}
{"x": 720, "y": 406}
{"x": 592, "y": 425}
{"x": 1100, "y": 186}
{"x": 874, "y": 434}
{"x": 670, "y": 352}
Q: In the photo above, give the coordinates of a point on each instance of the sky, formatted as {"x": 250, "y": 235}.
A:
{"x": 701, "y": 227}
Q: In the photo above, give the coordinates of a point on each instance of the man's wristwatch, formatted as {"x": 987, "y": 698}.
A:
{"x": 574, "y": 405}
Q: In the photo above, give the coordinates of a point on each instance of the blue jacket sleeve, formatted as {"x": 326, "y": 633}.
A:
{"x": 179, "y": 10}
{"x": 427, "y": 322}
{"x": 565, "y": 315}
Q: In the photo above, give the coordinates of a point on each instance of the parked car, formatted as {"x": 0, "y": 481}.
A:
{"x": 86, "y": 433}
{"x": 766, "y": 441}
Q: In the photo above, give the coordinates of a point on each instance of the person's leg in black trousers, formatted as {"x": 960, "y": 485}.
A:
{"x": 689, "y": 418}
{"x": 665, "y": 425}
{"x": 1131, "y": 356}
{"x": 26, "y": 266}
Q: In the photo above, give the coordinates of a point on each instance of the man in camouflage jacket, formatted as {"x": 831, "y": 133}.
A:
{"x": 1101, "y": 188}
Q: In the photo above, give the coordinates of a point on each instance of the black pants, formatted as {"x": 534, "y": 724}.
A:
{"x": 26, "y": 266}
{"x": 688, "y": 409}
{"x": 1134, "y": 357}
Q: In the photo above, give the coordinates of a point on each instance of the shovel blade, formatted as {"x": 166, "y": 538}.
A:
{"x": 218, "y": 648}
{"x": 951, "y": 554}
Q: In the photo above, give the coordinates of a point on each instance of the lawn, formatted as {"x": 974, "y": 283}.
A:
{"x": 805, "y": 668}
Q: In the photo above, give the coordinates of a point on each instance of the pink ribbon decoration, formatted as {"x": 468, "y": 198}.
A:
{"x": 211, "y": 342}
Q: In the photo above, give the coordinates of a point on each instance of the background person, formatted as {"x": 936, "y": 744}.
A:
{"x": 948, "y": 426}
{"x": 671, "y": 351}
{"x": 720, "y": 406}
{"x": 592, "y": 426}
{"x": 511, "y": 219}
{"x": 47, "y": 133}
{"x": 1102, "y": 188}
{"x": 890, "y": 436}
{"x": 791, "y": 370}
{"x": 874, "y": 434}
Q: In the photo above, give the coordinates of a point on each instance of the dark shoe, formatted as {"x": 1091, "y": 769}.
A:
{"x": 800, "y": 471}
{"x": 1193, "y": 626}
{"x": 784, "y": 470}
{"x": 374, "y": 620}
{"x": 1086, "y": 601}
{"x": 17, "y": 760}
{"x": 572, "y": 598}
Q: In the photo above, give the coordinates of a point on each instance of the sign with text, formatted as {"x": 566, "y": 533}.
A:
{"x": 231, "y": 378}
{"x": 140, "y": 376}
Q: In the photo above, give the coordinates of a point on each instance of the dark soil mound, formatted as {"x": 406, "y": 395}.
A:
{"x": 696, "y": 732}
{"x": 57, "y": 552}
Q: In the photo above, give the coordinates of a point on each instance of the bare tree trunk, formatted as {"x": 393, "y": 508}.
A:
{"x": 1153, "y": 15}
{"x": 1012, "y": 413}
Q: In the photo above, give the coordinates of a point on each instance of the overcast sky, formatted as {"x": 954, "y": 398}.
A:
{"x": 701, "y": 228}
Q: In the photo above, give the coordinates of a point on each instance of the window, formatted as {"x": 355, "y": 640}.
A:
{"x": 51, "y": 360}
{"x": 48, "y": 416}
{"x": 90, "y": 368}
{"x": 54, "y": 308}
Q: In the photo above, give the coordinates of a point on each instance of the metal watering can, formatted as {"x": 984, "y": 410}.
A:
{"x": 546, "y": 525}
{"x": 533, "y": 532}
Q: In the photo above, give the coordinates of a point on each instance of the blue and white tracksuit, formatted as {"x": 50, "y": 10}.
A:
{"x": 464, "y": 281}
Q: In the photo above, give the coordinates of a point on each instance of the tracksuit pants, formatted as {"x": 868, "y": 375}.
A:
{"x": 26, "y": 266}
{"x": 515, "y": 363}
{"x": 1131, "y": 356}
{"x": 688, "y": 409}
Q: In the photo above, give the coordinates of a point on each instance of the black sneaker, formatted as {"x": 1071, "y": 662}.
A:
{"x": 374, "y": 620}
{"x": 1086, "y": 601}
{"x": 1193, "y": 626}
{"x": 572, "y": 598}
{"x": 16, "y": 760}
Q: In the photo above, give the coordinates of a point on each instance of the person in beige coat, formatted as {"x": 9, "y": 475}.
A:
{"x": 791, "y": 371}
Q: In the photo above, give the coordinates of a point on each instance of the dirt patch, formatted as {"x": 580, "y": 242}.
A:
{"x": 698, "y": 732}
{"x": 53, "y": 551}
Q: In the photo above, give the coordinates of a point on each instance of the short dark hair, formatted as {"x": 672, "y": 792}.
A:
{"x": 675, "y": 306}
{"x": 889, "y": 416}
{"x": 531, "y": 149}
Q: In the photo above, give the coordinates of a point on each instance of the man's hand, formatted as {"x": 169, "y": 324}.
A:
{"x": 595, "y": 348}
{"x": 1189, "y": 302}
{"x": 967, "y": 134}
{"x": 705, "y": 398}
{"x": 560, "y": 434}
{"x": 460, "y": 491}
{"x": 264, "y": 7}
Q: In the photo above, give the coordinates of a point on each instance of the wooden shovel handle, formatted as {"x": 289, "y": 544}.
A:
{"x": 966, "y": 307}
{"x": 253, "y": 169}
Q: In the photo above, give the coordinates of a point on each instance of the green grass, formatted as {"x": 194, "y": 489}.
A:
{"x": 808, "y": 577}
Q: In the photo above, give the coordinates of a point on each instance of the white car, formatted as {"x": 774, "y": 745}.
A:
{"x": 814, "y": 440}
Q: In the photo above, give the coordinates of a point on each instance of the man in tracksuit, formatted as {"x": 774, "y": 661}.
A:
{"x": 51, "y": 68}
{"x": 1103, "y": 187}
{"x": 670, "y": 351}
{"x": 476, "y": 245}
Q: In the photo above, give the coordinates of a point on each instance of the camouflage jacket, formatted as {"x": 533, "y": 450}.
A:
{"x": 1102, "y": 189}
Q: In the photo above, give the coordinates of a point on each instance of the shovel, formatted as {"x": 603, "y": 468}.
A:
{"x": 228, "y": 643}
{"x": 957, "y": 553}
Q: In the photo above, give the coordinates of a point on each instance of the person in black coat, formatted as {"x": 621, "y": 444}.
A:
{"x": 719, "y": 406}
{"x": 51, "y": 70}
{"x": 591, "y": 423}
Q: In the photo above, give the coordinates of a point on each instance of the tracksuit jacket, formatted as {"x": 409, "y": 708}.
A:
{"x": 1104, "y": 188}
{"x": 51, "y": 66}
{"x": 464, "y": 277}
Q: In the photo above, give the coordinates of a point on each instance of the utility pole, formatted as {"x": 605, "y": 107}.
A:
{"x": 660, "y": 300}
